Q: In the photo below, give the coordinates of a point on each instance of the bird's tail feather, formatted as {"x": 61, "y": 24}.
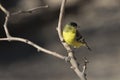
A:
{"x": 88, "y": 47}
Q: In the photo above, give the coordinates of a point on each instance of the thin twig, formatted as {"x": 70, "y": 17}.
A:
{"x": 6, "y": 20}
{"x": 74, "y": 64}
{"x": 33, "y": 45}
{"x": 60, "y": 19}
{"x": 85, "y": 67}
{"x": 85, "y": 64}
{"x": 29, "y": 10}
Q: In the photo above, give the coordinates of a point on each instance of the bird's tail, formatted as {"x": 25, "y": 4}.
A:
{"x": 88, "y": 47}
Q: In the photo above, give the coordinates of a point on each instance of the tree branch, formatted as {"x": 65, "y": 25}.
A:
{"x": 74, "y": 64}
{"x": 6, "y": 20}
{"x": 29, "y": 10}
{"x": 10, "y": 38}
{"x": 33, "y": 45}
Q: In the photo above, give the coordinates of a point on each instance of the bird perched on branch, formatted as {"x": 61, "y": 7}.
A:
{"x": 72, "y": 36}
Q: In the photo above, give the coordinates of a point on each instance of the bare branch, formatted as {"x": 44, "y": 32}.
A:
{"x": 85, "y": 64}
{"x": 29, "y": 10}
{"x": 74, "y": 64}
{"x": 6, "y": 20}
{"x": 33, "y": 45}
{"x": 85, "y": 67}
{"x": 60, "y": 19}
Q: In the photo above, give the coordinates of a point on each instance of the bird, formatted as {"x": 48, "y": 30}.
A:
{"x": 72, "y": 36}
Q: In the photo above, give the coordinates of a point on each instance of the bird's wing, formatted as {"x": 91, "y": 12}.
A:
{"x": 81, "y": 39}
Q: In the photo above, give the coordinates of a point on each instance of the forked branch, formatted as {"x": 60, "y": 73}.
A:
{"x": 11, "y": 38}
{"x": 6, "y": 20}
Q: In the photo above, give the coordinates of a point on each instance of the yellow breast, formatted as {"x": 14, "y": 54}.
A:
{"x": 69, "y": 37}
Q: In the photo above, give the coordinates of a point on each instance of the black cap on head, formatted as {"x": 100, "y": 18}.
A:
{"x": 73, "y": 24}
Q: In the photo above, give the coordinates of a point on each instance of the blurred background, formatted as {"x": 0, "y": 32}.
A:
{"x": 99, "y": 22}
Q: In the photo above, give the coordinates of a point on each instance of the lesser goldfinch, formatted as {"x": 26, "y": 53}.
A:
{"x": 72, "y": 36}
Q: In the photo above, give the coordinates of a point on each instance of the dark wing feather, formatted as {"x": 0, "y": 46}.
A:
{"x": 81, "y": 39}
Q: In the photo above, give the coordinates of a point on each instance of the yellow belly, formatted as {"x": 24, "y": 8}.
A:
{"x": 77, "y": 44}
{"x": 70, "y": 39}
